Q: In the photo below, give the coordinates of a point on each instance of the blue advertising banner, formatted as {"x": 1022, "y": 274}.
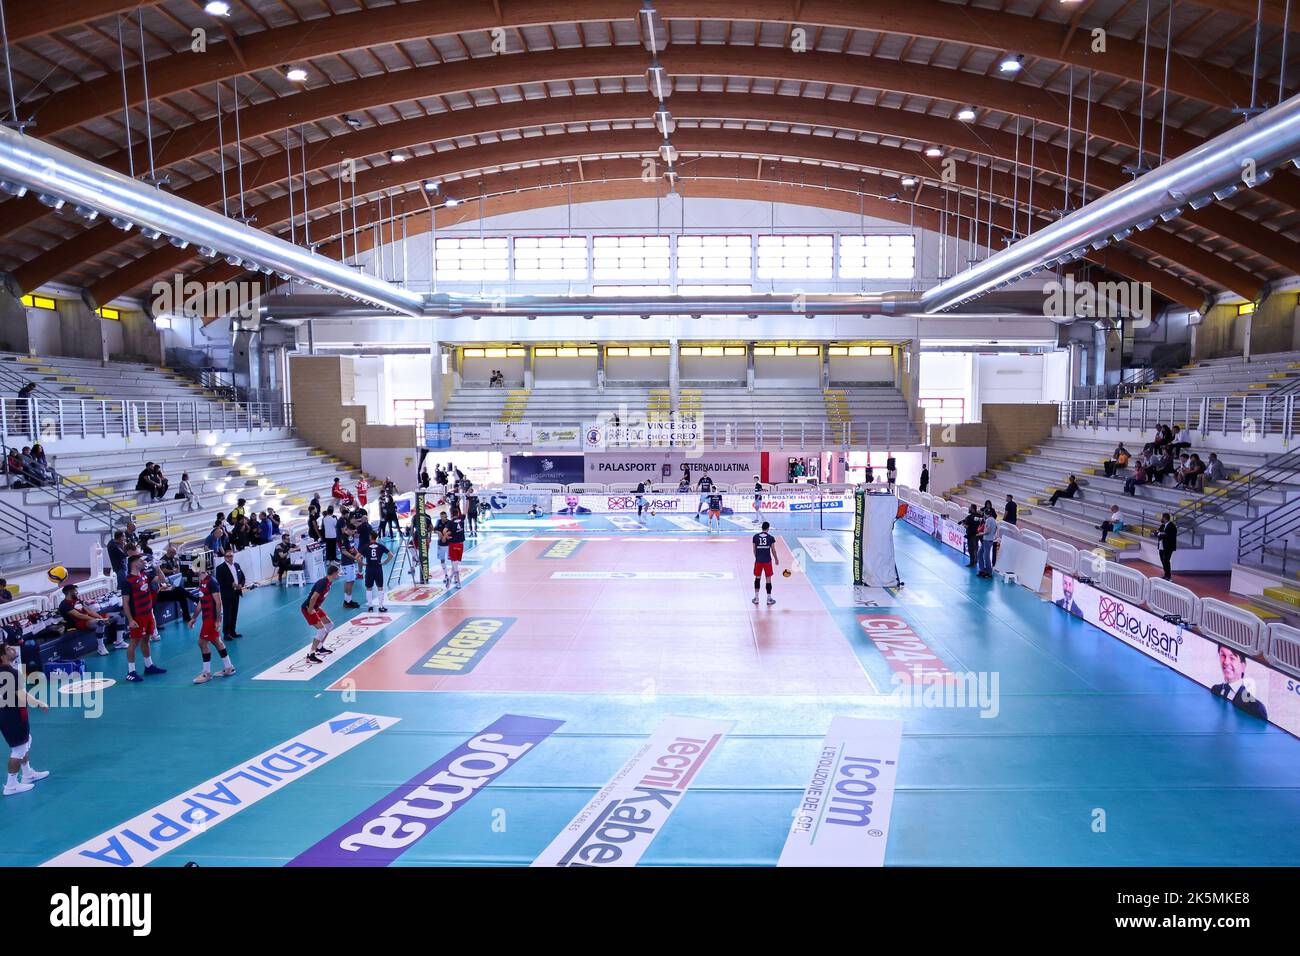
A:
{"x": 552, "y": 469}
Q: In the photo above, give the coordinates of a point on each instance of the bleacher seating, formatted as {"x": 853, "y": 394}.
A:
{"x": 879, "y": 412}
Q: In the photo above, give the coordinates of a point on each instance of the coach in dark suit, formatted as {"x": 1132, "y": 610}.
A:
{"x": 1235, "y": 686}
{"x": 230, "y": 577}
{"x": 1167, "y": 539}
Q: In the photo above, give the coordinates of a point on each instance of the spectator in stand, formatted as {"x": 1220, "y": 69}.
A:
{"x": 163, "y": 481}
{"x": 282, "y": 558}
{"x": 1140, "y": 476}
{"x": 39, "y": 462}
{"x": 1193, "y": 475}
{"x": 1117, "y": 461}
{"x": 129, "y": 534}
{"x": 117, "y": 558}
{"x": 1114, "y": 522}
{"x": 14, "y": 469}
{"x": 275, "y": 521}
{"x": 147, "y": 482}
{"x": 187, "y": 495}
{"x": 237, "y": 512}
{"x": 5, "y": 594}
{"x": 1163, "y": 465}
{"x": 34, "y": 471}
{"x": 1069, "y": 491}
{"x": 1011, "y": 512}
{"x": 1214, "y": 470}
{"x": 24, "y": 406}
{"x": 1178, "y": 440}
{"x": 330, "y": 529}
{"x": 266, "y": 529}
{"x": 241, "y": 535}
{"x": 340, "y": 494}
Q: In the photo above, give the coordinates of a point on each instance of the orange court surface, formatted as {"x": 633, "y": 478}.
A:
{"x": 565, "y": 624}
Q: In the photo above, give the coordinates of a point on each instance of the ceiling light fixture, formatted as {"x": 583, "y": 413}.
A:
{"x": 1011, "y": 64}
{"x": 295, "y": 74}
{"x": 934, "y": 152}
{"x": 217, "y": 8}
{"x": 966, "y": 114}
{"x": 397, "y": 156}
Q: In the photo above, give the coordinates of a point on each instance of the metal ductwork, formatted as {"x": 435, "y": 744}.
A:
{"x": 1213, "y": 170}
{"x": 28, "y": 164}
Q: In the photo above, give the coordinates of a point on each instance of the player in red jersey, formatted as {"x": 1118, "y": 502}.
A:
{"x": 313, "y": 609}
{"x": 137, "y": 605}
{"x": 210, "y": 633}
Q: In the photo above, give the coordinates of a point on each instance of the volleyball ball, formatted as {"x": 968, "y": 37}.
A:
{"x": 57, "y": 574}
{"x": 652, "y": 514}
{"x": 786, "y": 573}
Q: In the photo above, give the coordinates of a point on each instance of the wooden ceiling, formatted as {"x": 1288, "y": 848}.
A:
{"x": 523, "y": 104}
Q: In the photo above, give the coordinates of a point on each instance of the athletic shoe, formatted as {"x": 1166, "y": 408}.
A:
{"x": 313, "y": 659}
{"x": 102, "y": 651}
{"x": 203, "y": 678}
{"x": 133, "y": 678}
{"x": 12, "y": 788}
{"x": 370, "y": 609}
{"x": 226, "y": 671}
{"x": 324, "y": 650}
{"x": 383, "y": 610}
{"x": 351, "y": 604}
{"x": 771, "y": 601}
{"x": 754, "y": 602}
{"x": 31, "y": 776}
{"x": 120, "y": 644}
{"x": 155, "y": 669}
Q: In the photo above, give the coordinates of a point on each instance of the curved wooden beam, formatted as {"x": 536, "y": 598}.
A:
{"x": 325, "y": 155}
{"x": 639, "y": 142}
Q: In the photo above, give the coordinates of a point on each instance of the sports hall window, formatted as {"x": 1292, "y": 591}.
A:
{"x": 38, "y": 302}
{"x": 473, "y": 259}
{"x": 583, "y": 351}
{"x": 551, "y": 258}
{"x": 796, "y": 257}
{"x": 859, "y": 351}
{"x": 714, "y": 257}
{"x": 943, "y": 411}
{"x": 637, "y": 351}
{"x": 631, "y": 290}
{"x": 877, "y": 257}
{"x": 630, "y": 257}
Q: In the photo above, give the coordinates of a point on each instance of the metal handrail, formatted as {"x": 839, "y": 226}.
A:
{"x": 36, "y": 535}
{"x": 42, "y": 418}
{"x": 1257, "y": 535}
{"x": 72, "y": 493}
{"x": 1241, "y": 489}
{"x": 1267, "y": 413}
{"x": 11, "y": 378}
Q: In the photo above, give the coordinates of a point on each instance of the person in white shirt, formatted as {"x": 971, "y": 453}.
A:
{"x": 330, "y": 528}
{"x": 1114, "y": 522}
{"x": 987, "y": 539}
{"x": 186, "y": 494}
{"x": 1214, "y": 470}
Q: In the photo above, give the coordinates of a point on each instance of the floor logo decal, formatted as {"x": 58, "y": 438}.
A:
{"x": 461, "y": 649}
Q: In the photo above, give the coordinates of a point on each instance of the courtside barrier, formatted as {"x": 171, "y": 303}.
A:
{"x": 1284, "y": 648}
{"x": 588, "y": 488}
{"x": 1232, "y": 625}
{"x": 1123, "y": 582}
{"x": 1008, "y": 532}
{"x": 1167, "y": 599}
{"x": 1062, "y": 556}
{"x": 543, "y": 486}
{"x": 1033, "y": 539}
{"x": 20, "y": 608}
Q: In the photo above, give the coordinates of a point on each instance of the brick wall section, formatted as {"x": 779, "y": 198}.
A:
{"x": 323, "y": 391}
{"x": 1013, "y": 428}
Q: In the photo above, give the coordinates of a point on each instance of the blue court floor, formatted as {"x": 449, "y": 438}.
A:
{"x": 1097, "y": 755}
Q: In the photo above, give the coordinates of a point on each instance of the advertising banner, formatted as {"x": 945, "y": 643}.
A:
{"x": 567, "y": 436}
{"x": 618, "y": 825}
{"x": 953, "y": 535}
{"x": 1023, "y": 560}
{"x": 389, "y": 827}
{"x": 670, "y": 503}
{"x": 552, "y": 469}
{"x": 422, "y": 531}
{"x": 843, "y": 815}
{"x": 1251, "y": 686}
{"x": 437, "y": 435}
{"x": 343, "y": 638}
{"x": 725, "y": 467}
{"x": 515, "y": 502}
{"x": 921, "y": 519}
{"x": 156, "y": 831}
{"x": 597, "y": 436}
{"x": 471, "y": 435}
{"x": 873, "y": 540}
{"x": 512, "y": 433}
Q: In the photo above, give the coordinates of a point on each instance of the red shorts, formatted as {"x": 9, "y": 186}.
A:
{"x": 208, "y": 631}
{"x": 456, "y": 551}
{"x": 762, "y": 567}
{"x": 315, "y": 618}
{"x": 715, "y": 513}
{"x": 144, "y": 627}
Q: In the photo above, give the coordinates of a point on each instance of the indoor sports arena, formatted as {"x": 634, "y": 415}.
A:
{"x": 650, "y": 434}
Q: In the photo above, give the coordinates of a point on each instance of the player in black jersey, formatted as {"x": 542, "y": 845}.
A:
{"x": 764, "y": 556}
{"x": 715, "y": 510}
{"x": 376, "y": 556}
{"x": 456, "y": 546}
